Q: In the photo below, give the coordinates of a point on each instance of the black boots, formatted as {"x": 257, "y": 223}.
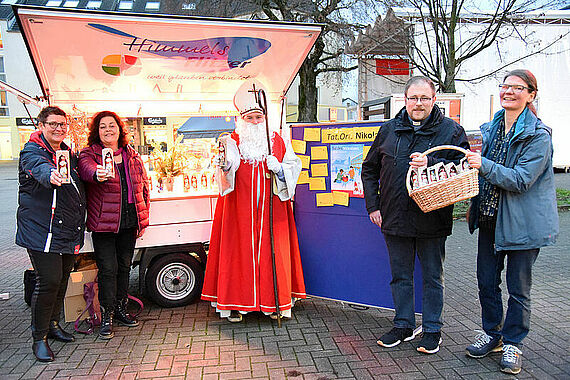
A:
{"x": 106, "y": 330}
{"x": 57, "y": 333}
{"x": 122, "y": 316}
{"x": 42, "y": 351}
{"x": 41, "y": 348}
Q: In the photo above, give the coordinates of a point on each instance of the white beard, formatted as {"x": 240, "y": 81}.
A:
{"x": 252, "y": 141}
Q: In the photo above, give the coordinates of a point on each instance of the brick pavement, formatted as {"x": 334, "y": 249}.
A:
{"x": 324, "y": 340}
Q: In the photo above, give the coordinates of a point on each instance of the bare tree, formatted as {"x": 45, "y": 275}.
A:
{"x": 439, "y": 36}
{"x": 327, "y": 54}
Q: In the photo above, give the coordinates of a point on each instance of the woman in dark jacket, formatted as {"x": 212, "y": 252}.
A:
{"x": 117, "y": 213}
{"x": 51, "y": 217}
{"x": 516, "y": 214}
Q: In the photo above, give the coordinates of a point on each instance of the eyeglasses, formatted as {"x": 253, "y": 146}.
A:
{"x": 54, "y": 125}
{"x": 423, "y": 99}
{"x": 517, "y": 89}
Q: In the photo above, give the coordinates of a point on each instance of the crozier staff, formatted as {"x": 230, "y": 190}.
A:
{"x": 239, "y": 275}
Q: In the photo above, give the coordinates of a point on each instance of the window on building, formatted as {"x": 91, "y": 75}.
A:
{"x": 71, "y": 4}
{"x": 125, "y": 5}
{"x": 3, "y": 94}
{"x": 8, "y": 2}
{"x": 93, "y": 4}
{"x": 53, "y": 3}
{"x": 152, "y": 5}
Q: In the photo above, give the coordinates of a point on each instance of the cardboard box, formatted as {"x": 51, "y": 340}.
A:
{"x": 73, "y": 303}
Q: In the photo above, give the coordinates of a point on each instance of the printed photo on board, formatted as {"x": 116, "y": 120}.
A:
{"x": 451, "y": 169}
{"x": 108, "y": 162}
{"x": 441, "y": 172}
{"x": 424, "y": 181}
{"x": 346, "y": 166}
{"x": 63, "y": 165}
{"x": 432, "y": 173}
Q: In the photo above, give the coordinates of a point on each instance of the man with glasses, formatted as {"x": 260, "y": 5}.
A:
{"x": 407, "y": 230}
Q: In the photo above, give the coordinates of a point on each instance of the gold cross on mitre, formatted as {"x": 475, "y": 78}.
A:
{"x": 255, "y": 93}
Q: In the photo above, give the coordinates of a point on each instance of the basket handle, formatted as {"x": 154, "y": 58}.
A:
{"x": 431, "y": 150}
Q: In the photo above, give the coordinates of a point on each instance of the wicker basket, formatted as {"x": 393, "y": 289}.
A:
{"x": 446, "y": 192}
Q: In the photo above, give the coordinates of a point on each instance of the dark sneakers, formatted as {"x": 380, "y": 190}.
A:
{"x": 484, "y": 344}
{"x": 396, "y": 336}
{"x": 511, "y": 362}
{"x": 430, "y": 343}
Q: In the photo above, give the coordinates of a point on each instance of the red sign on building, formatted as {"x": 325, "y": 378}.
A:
{"x": 390, "y": 66}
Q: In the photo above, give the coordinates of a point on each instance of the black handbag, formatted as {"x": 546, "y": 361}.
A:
{"x": 29, "y": 285}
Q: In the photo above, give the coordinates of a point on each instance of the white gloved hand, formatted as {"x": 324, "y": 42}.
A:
{"x": 273, "y": 164}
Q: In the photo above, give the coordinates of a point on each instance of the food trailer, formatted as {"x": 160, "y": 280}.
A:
{"x": 141, "y": 66}
{"x": 148, "y": 65}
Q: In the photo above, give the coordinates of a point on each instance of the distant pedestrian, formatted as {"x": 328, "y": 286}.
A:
{"x": 516, "y": 214}
{"x": 50, "y": 218}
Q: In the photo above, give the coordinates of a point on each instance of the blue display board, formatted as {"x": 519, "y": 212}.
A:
{"x": 344, "y": 255}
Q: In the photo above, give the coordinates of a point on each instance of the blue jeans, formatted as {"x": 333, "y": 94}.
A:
{"x": 490, "y": 265}
{"x": 431, "y": 254}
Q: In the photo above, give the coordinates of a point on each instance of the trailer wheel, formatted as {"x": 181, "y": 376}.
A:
{"x": 174, "y": 280}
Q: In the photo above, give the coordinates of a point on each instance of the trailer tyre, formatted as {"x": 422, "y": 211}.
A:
{"x": 174, "y": 280}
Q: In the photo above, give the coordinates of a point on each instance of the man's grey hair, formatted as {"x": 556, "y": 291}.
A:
{"x": 417, "y": 80}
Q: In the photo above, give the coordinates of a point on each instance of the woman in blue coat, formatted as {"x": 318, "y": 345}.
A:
{"x": 516, "y": 214}
{"x": 51, "y": 224}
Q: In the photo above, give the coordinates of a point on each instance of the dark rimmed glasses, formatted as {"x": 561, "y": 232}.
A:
{"x": 55, "y": 125}
{"x": 415, "y": 99}
{"x": 517, "y": 89}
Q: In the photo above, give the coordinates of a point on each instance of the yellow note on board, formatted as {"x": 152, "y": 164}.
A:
{"x": 299, "y": 146}
{"x": 312, "y": 134}
{"x": 319, "y": 153}
{"x": 303, "y": 177}
{"x": 319, "y": 170}
{"x": 305, "y": 161}
{"x": 365, "y": 150}
{"x": 317, "y": 184}
{"x": 324, "y": 199}
{"x": 340, "y": 198}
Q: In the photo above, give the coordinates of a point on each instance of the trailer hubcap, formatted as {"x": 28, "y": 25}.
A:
{"x": 175, "y": 281}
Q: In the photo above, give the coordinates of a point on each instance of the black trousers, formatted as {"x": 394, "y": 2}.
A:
{"x": 52, "y": 272}
{"x": 113, "y": 254}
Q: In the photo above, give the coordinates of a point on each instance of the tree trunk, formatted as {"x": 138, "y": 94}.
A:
{"x": 449, "y": 82}
{"x": 307, "y": 93}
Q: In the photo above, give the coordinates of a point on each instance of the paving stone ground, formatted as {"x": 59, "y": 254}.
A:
{"x": 324, "y": 340}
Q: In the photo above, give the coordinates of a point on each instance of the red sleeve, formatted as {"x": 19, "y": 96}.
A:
{"x": 278, "y": 147}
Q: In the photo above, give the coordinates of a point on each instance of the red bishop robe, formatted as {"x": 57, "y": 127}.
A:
{"x": 239, "y": 273}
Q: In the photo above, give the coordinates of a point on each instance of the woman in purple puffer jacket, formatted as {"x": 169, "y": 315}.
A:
{"x": 117, "y": 213}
